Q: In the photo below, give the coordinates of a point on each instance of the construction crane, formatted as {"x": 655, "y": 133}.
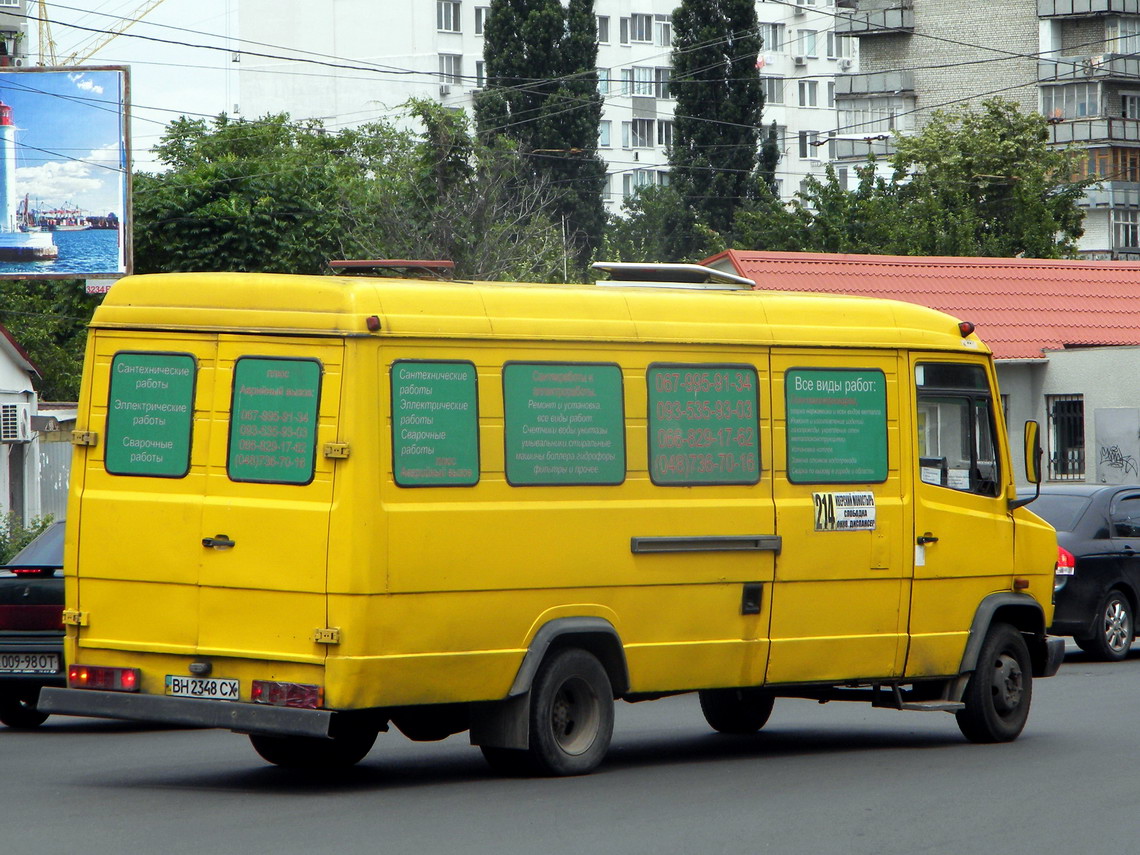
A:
{"x": 49, "y": 54}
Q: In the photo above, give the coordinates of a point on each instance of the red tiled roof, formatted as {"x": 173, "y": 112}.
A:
{"x": 1021, "y": 306}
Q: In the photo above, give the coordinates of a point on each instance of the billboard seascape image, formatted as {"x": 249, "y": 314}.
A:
{"x": 64, "y": 171}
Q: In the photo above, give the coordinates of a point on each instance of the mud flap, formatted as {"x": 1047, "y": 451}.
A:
{"x": 502, "y": 724}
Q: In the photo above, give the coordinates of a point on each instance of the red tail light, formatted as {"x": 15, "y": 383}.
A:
{"x": 1066, "y": 562}
{"x": 99, "y": 677}
{"x": 286, "y": 694}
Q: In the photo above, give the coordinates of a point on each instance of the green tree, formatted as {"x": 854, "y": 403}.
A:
{"x": 716, "y": 128}
{"x": 971, "y": 183}
{"x": 48, "y": 318}
{"x": 542, "y": 92}
{"x": 657, "y": 226}
{"x": 987, "y": 182}
{"x": 274, "y": 195}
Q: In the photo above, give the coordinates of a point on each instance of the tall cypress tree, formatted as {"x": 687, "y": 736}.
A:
{"x": 720, "y": 101}
{"x": 542, "y": 90}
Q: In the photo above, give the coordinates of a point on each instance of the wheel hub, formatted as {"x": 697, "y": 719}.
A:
{"x": 1008, "y": 684}
{"x": 1117, "y": 626}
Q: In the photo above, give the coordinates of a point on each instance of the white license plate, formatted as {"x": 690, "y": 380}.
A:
{"x": 213, "y": 688}
{"x": 29, "y": 663}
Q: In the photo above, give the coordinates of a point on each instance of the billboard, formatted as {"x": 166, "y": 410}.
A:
{"x": 64, "y": 173}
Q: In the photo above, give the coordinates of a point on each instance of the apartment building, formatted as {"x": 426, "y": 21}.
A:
{"x": 434, "y": 49}
{"x": 1073, "y": 60}
{"x": 14, "y": 34}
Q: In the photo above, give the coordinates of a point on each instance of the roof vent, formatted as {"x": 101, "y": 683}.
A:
{"x": 671, "y": 276}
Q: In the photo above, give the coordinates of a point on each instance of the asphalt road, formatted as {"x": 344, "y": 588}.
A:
{"x": 820, "y": 779}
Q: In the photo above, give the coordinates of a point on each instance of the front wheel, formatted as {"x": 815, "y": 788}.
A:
{"x": 311, "y": 754}
{"x": 999, "y": 691}
{"x": 1115, "y": 632}
{"x": 18, "y": 711}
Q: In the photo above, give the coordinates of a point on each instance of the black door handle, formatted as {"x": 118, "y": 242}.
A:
{"x": 218, "y": 541}
{"x": 924, "y": 539}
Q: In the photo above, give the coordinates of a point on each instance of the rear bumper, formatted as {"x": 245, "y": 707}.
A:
{"x": 187, "y": 712}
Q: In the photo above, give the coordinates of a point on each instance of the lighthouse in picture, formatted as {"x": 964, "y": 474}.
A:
{"x": 16, "y": 245}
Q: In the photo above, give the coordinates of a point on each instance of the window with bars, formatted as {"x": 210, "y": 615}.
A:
{"x": 1066, "y": 437}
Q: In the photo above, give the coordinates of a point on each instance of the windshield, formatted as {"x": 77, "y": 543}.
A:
{"x": 1061, "y": 512}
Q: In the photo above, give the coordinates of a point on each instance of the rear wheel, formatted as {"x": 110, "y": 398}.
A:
{"x": 571, "y": 719}
{"x": 18, "y": 710}
{"x": 1116, "y": 629}
{"x": 311, "y": 754}
{"x": 736, "y": 711}
{"x": 999, "y": 691}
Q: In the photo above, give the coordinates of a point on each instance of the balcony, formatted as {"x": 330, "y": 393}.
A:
{"x": 1086, "y": 8}
{"x": 1112, "y": 194}
{"x": 1106, "y": 66}
{"x": 877, "y": 83}
{"x": 1100, "y": 130}
{"x": 877, "y": 17}
{"x": 860, "y": 147}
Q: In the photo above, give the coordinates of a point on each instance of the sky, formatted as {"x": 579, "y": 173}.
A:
{"x": 176, "y": 55}
{"x": 68, "y": 138}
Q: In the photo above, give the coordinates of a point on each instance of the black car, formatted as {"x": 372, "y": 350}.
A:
{"x": 1097, "y": 586}
{"x": 31, "y": 627}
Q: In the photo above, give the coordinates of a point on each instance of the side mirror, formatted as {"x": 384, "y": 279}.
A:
{"x": 1032, "y": 443}
{"x": 1033, "y": 453}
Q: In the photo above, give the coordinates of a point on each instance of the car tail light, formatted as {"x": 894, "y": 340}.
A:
{"x": 99, "y": 677}
{"x": 287, "y": 694}
{"x": 1066, "y": 562}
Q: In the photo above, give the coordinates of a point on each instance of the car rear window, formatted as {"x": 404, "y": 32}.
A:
{"x": 1061, "y": 512}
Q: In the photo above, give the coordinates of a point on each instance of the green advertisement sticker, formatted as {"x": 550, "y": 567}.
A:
{"x": 150, "y": 410}
{"x": 703, "y": 424}
{"x": 837, "y": 426}
{"x": 565, "y": 423}
{"x": 435, "y": 424}
{"x": 273, "y": 421}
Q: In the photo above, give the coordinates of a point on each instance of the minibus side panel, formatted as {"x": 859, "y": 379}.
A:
{"x": 522, "y": 555}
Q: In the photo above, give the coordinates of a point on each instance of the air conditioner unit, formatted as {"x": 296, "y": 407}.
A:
{"x": 15, "y": 422}
{"x": 444, "y": 90}
{"x": 844, "y": 64}
{"x": 19, "y": 62}
{"x": 799, "y": 60}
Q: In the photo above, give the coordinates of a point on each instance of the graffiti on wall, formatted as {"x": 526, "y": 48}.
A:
{"x": 1113, "y": 458}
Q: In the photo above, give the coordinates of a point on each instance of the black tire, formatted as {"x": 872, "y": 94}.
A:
{"x": 18, "y": 711}
{"x": 736, "y": 711}
{"x": 571, "y": 714}
{"x": 1116, "y": 629}
{"x": 1000, "y": 690}
{"x": 310, "y": 754}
